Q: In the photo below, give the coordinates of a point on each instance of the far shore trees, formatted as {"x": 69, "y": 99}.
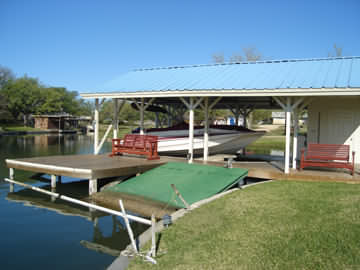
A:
{"x": 21, "y": 97}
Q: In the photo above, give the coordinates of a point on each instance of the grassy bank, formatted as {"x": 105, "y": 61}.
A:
{"x": 17, "y": 128}
{"x": 277, "y": 225}
{"x": 121, "y": 131}
{"x": 267, "y": 143}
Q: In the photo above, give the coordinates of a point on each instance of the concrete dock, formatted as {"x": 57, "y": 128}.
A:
{"x": 95, "y": 167}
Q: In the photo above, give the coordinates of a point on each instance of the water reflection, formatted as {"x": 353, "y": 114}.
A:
{"x": 48, "y": 233}
{"x": 110, "y": 238}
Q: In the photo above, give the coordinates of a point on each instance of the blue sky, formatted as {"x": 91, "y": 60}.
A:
{"x": 82, "y": 44}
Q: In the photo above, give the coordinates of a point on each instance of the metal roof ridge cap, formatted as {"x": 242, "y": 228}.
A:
{"x": 249, "y": 62}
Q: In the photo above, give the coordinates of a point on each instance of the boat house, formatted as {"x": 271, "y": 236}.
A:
{"x": 59, "y": 121}
{"x": 329, "y": 88}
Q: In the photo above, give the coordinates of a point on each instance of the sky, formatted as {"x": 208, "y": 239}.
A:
{"x": 82, "y": 44}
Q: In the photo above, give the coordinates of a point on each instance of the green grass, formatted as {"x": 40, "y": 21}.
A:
{"x": 14, "y": 127}
{"x": 121, "y": 131}
{"x": 277, "y": 225}
{"x": 267, "y": 143}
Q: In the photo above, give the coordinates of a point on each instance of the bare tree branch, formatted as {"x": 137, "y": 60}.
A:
{"x": 218, "y": 58}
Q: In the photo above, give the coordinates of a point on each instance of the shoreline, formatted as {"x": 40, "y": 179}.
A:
{"x": 17, "y": 133}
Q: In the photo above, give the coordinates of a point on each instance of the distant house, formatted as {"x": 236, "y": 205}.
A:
{"x": 59, "y": 121}
{"x": 278, "y": 118}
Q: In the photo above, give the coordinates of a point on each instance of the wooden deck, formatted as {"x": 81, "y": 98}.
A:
{"x": 85, "y": 166}
{"x": 94, "y": 167}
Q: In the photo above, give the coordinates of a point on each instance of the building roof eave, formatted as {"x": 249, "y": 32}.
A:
{"x": 227, "y": 93}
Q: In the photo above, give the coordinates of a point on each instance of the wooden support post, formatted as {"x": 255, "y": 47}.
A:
{"x": 92, "y": 186}
{"x": 191, "y": 107}
{"x": 169, "y": 115}
{"x": 142, "y": 116}
{"x": 287, "y": 142}
{"x": 191, "y": 130}
{"x": 116, "y": 120}
{"x": 295, "y": 138}
{"x": 53, "y": 198}
{"x": 53, "y": 181}
{"x": 153, "y": 239}
{"x": 98, "y": 148}
{"x": 130, "y": 232}
{"x": 206, "y": 130}
{"x": 59, "y": 179}
{"x": 96, "y": 129}
{"x": 11, "y": 176}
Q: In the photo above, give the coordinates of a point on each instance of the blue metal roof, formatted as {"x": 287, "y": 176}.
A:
{"x": 342, "y": 72}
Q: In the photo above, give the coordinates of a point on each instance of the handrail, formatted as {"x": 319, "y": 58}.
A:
{"x": 69, "y": 199}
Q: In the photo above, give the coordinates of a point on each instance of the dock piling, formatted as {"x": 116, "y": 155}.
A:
{"x": 11, "y": 176}
{"x": 92, "y": 186}
{"x": 53, "y": 181}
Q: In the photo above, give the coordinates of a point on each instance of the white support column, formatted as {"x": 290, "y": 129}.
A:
{"x": 92, "y": 186}
{"x": 295, "y": 138}
{"x": 206, "y": 130}
{"x": 96, "y": 129}
{"x": 100, "y": 145}
{"x": 191, "y": 130}
{"x": 287, "y": 142}
{"x": 157, "y": 121}
{"x": 53, "y": 181}
{"x": 142, "y": 117}
{"x": 11, "y": 176}
{"x": 116, "y": 118}
{"x": 169, "y": 115}
{"x": 191, "y": 107}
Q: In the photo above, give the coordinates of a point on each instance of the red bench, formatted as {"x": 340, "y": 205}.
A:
{"x": 145, "y": 145}
{"x": 327, "y": 155}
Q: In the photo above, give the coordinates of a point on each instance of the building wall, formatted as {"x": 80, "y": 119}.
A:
{"x": 335, "y": 120}
{"x": 41, "y": 123}
{"x": 48, "y": 123}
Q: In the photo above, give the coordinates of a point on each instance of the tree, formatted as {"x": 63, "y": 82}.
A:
{"x": 218, "y": 58}
{"x": 6, "y": 75}
{"x": 23, "y": 97}
{"x": 236, "y": 58}
{"x": 337, "y": 51}
{"x": 250, "y": 54}
{"x": 86, "y": 107}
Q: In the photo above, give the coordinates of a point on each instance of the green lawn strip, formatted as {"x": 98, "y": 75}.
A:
{"x": 121, "y": 131}
{"x": 277, "y": 225}
{"x": 18, "y": 128}
{"x": 267, "y": 143}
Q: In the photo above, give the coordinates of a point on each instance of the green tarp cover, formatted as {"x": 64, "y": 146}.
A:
{"x": 195, "y": 182}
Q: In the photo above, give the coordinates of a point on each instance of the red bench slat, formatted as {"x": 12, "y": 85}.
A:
{"x": 136, "y": 144}
{"x": 327, "y": 155}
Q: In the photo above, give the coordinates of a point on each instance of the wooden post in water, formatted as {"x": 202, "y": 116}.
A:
{"x": 92, "y": 186}
{"x": 53, "y": 181}
{"x": 96, "y": 128}
{"x": 11, "y": 176}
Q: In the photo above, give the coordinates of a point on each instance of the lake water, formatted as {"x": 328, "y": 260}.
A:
{"x": 37, "y": 233}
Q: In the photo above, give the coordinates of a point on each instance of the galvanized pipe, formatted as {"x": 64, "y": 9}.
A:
{"x": 69, "y": 199}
